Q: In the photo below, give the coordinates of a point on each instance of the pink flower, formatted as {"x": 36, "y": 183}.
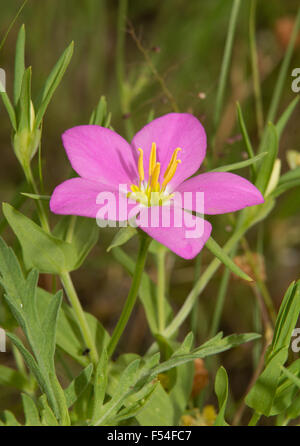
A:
{"x": 172, "y": 148}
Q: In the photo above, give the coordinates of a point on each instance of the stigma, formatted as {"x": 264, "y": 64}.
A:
{"x": 151, "y": 192}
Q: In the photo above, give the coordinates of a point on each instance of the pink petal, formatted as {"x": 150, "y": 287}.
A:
{"x": 169, "y": 132}
{"x": 223, "y": 192}
{"x": 99, "y": 154}
{"x": 177, "y": 239}
{"x": 79, "y": 196}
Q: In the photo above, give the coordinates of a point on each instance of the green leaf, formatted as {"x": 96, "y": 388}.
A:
{"x": 158, "y": 410}
{"x": 122, "y": 237}
{"x": 212, "y": 245}
{"x": 9, "y": 419}
{"x": 265, "y": 169}
{"x": 10, "y": 109}
{"x": 78, "y": 385}
{"x": 36, "y": 196}
{"x": 240, "y": 165}
{"x": 286, "y": 391}
{"x": 24, "y": 104}
{"x": 31, "y": 411}
{"x": 123, "y": 390}
{"x": 262, "y": 395}
{"x": 100, "y": 385}
{"x": 100, "y": 116}
{"x": 211, "y": 347}
{"x": 52, "y": 83}
{"x": 12, "y": 378}
{"x": 68, "y": 335}
{"x": 19, "y": 64}
{"x": 47, "y": 253}
{"x": 244, "y": 131}
{"x": 48, "y": 417}
{"x": 81, "y": 234}
{"x": 221, "y": 389}
{"x": 284, "y": 118}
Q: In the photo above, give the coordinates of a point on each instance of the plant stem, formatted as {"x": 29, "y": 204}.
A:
{"x": 132, "y": 295}
{"x": 120, "y": 71}
{"x": 75, "y": 302}
{"x": 154, "y": 71}
{"x": 226, "y": 62}
{"x": 254, "y": 419}
{"x": 255, "y": 72}
{"x": 40, "y": 208}
{"x": 161, "y": 286}
{"x": 283, "y": 71}
{"x": 201, "y": 283}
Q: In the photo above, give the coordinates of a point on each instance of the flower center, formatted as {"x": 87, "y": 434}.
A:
{"x": 151, "y": 192}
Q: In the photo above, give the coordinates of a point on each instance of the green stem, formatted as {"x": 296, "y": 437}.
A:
{"x": 161, "y": 286}
{"x": 132, "y": 295}
{"x": 255, "y": 72}
{"x": 226, "y": 62}
{"x": 75, "y": 302}
{"x": 283, "y": 74}
{"x": 254, "y": 419}
{"x": 120, "y": 71}
{"x": 40, "y": 208}
{"x": 201, "y": 283}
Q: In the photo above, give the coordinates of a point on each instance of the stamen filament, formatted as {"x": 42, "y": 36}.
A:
{"x": 152, "y": 159}
{"x": 141, "y": 166}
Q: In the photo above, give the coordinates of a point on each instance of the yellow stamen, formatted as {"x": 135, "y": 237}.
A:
{"x": 141, "y": 166}
{"x": 152, "y": 159}
{"x": 170, "y": 174}
{"x": 172, "y": 162}
{"x": 154, "y": 180}
{"x": 134, "y": 188}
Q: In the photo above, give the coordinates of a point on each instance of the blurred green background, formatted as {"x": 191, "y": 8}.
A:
{"x": 185, "y": 41}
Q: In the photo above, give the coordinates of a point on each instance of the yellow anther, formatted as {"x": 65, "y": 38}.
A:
{"x": 152, "y": 159}
{"x": 173, "y": 161}
{"x": 141, "y": 166}
{"x": 134, "y": 188}
{"x": 170, "y": 174}
{"x": 155, "y": 176}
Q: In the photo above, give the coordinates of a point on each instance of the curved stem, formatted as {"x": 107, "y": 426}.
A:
{"x": 161, "y": 285}
{"x": 132, "y": 295}
{"x": 40, "y": 208}
{"x": 75, "y": 302}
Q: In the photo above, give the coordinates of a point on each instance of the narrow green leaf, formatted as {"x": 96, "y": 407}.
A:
{"x": 226, "y": 61}
{"x": 12, "y": 378}
{"x": 241, "y": 164}
{"x": 100, "y": 385}
{"x": 221, "y": 389}
{"x": 10, "y": 109}
{"x": 52, "y": 83}
{"x": 266, "y": 167}
{"x": 31, "y": 411}
{"x": 19, "y": 64}
{"x": 212, "y": 245}
{"x": 36, "y": 196}
{"x": 122, "y": 237}
{"x": 244, "y": 131}
{"x": 47, "y": 254}
{"x": 284, "y": 118}
{"x": 24, "y": 104}
{"x": 78, "y": 385}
